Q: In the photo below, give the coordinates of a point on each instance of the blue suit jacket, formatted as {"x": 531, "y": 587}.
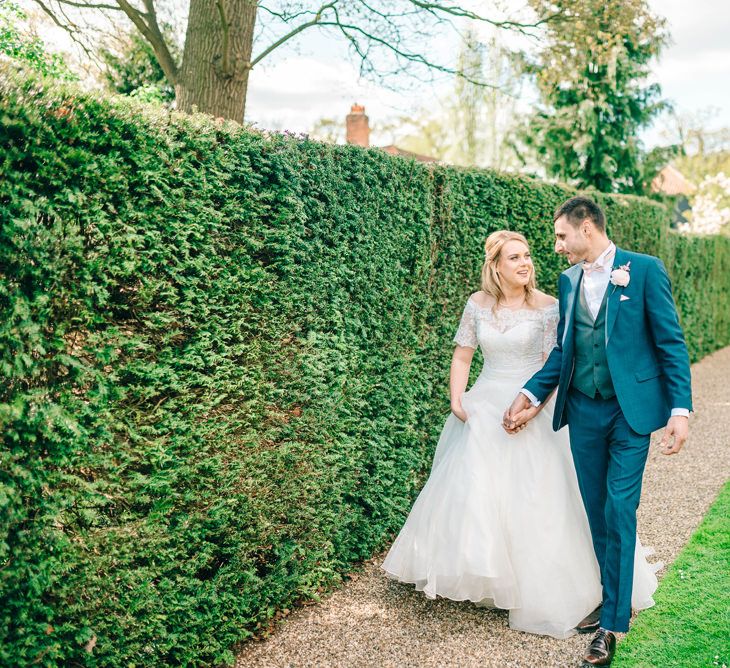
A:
{"x": 646, "y": 352}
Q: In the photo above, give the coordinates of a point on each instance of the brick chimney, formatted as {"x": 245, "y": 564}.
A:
{"x": 358, "y": 130}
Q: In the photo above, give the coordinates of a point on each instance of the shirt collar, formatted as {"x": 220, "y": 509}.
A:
{"x": 603, "y": 258}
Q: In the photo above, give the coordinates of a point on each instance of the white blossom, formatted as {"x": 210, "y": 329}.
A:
{"x": 711, "y": 206}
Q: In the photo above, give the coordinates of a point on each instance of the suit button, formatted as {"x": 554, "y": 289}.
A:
{"x": 595, "y": 345}
{"x": 597, "y": 364}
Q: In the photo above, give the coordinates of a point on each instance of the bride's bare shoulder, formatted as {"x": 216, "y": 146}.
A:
{"x": 482, "y": 299}
{"x": 543, "y": 300}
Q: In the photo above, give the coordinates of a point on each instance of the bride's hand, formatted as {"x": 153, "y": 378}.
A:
{"x": 519, "y": 421}
{"x": 519, "y": 406}
{"x": 457, "y": 410}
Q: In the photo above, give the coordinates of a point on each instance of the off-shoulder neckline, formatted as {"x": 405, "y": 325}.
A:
{"x": 516, "y": 310}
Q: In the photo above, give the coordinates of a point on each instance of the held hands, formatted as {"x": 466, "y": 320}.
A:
{"x": 517, "y": 416}
{"x": 677, "y": 427}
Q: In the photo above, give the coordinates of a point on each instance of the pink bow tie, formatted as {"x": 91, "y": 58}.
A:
{"x": 590, "y": 267}
{"x": 600, "y": 267}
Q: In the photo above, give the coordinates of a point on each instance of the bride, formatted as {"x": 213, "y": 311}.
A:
{"x": 500, "y": 520}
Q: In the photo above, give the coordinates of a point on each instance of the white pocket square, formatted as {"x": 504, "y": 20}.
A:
{"x": 624, "y": 298}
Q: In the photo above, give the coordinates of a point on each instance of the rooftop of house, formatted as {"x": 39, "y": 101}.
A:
{"x": 671, "y": 181}
{"x": 358, "y": 133}
{"x": 394, "y": 150}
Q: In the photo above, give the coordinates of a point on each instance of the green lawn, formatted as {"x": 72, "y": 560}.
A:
{"x": 690, "y": 624}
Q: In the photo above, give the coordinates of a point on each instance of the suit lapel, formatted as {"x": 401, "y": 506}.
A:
{"x": 614, "y": 295}
{"x": 575, "y": 273}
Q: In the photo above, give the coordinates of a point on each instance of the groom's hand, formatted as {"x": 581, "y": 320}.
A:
{"x": 522, "y": 418}
{"x": 678, "y": 428}
{"x": 515, "y": 417}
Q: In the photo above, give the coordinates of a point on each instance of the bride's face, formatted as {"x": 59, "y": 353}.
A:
{"x": 515, "y": 264}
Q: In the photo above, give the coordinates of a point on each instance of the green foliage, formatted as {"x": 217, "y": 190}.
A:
{"x": 224, "y": 363}
{"x": 698, "y": 585}
{"x": 134, "y": 69}
{"x": 710, "y": 200}
{"x": 27, "y": 50}
{"x": 594, "y": 100}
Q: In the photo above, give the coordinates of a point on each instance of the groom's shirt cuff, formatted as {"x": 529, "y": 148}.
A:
{"x": 536, "y": 402}
{"x": 684, "y": 412}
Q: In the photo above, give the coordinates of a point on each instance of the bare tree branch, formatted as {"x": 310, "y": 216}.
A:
{"x": 315, "y": 21}
{"x": 388, "y": 16}
{"x": 394, "y": 47}
{"x": 413, "y": 57}
{"x": 88, "y": 5}
{"x": 389, "y": 34}
{"x": 166, "y": 58}
{"x": 152, "y": 33}
{"x": 286, "y": 17}
{"x": 70, "y": 28}
{"x": 460, "y": 12}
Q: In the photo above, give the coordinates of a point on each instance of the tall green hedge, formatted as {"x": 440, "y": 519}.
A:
{"x": 224, "y": 361}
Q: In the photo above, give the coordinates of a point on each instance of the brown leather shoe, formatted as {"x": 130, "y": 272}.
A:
{"x": 591, "y": 622}
{"x": 601, "y": 650}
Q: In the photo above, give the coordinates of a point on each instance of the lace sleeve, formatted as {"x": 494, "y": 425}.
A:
{"x": 466, "y": 334}
{"x": 550, "y": 329}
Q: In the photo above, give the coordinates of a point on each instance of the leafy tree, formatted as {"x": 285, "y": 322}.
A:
{"x": 226, "y": 39}
{"x": 594, "y": 100}
{"x": 132, "y": 67}
{"x": 19, "y": 46}
{"x": 703, "y": 158}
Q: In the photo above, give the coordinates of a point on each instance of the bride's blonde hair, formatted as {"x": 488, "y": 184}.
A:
{"x": 491, "y": 282}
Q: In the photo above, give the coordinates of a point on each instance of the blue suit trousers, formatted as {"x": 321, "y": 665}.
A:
{"x": 609, "y": 460}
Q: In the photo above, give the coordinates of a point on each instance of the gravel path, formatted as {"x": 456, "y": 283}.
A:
{"x": 376, "y": 622}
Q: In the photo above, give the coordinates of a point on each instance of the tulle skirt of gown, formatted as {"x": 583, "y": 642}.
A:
{"x": 500, "y": 521}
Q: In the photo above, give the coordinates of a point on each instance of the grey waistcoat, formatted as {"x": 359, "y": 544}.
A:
{"x": 591, "y": 374}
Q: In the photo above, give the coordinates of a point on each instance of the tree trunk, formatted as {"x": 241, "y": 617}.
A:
{"x": 217, "y": 58}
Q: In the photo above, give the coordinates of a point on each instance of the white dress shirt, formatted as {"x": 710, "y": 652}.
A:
{"x": 596, "y": 276}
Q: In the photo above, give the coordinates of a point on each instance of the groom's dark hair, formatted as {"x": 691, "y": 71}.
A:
{"x": 577, "y": 209}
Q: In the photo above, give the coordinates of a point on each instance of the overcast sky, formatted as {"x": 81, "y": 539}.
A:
{"x": 299, "y": 85}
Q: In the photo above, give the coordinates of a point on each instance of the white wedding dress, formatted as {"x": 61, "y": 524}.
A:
{"x": 500, "y": 520}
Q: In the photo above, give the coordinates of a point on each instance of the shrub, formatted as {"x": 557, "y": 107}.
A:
{"x": 225, "y": 362}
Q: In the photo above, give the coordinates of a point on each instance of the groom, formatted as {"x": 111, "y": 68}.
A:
{"x": 622, "y": 371}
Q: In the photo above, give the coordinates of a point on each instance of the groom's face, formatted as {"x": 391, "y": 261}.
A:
{"x": 570, "y": 241}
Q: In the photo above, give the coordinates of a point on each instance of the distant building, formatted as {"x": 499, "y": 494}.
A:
{"x": 358, "y": 134}
{"x": 670, "y": 181}
{"x": 357, "y": 126}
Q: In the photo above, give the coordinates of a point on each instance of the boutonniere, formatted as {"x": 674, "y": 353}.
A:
{"x": 621, "y": 276}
